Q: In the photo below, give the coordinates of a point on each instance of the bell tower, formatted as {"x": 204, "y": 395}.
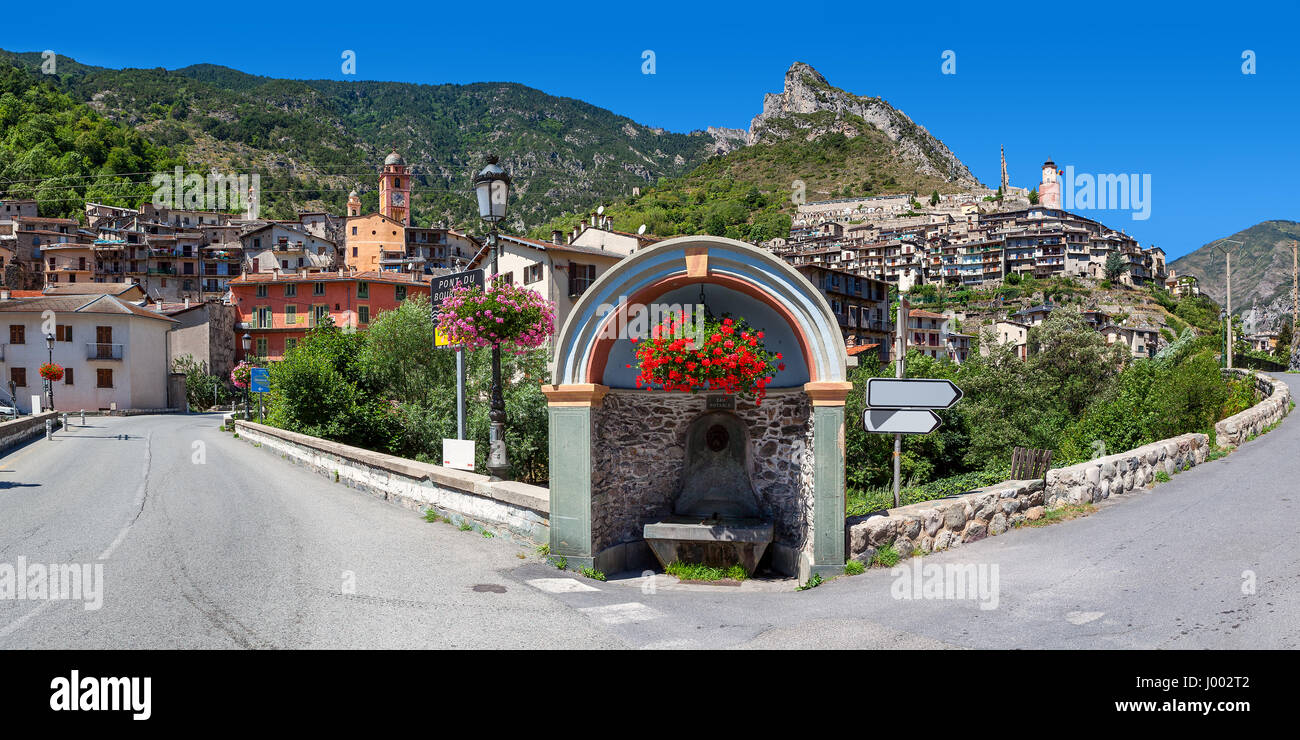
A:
{"x": 395, "y": 189}
{"x": 354, "y": 204}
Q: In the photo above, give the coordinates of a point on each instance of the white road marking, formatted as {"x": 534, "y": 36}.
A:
{"x": 627, "y": 613}
{"x": 1083, "y": 617}
{"x": 560, "y": 585}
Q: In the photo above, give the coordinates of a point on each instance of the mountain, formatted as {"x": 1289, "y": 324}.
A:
{"x": 810, "y": 139}
{"x": 1261, "y": 267}
{"x": 314, "y": 140}
{"x": 809, "y": 107}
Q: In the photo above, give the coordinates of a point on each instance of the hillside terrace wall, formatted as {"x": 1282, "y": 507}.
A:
{"x": 943, "y": 524}
{"x": 504, "y": 507}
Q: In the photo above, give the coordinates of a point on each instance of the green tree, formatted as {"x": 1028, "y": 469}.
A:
{"x": 1033, "y": 197}
{"x": 934, "y": 198}
{"x": 1115, "y": 266}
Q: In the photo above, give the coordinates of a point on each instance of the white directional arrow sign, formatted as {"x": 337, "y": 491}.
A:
{"x": 911, "y": 393}
{"x": 900, "y": 421}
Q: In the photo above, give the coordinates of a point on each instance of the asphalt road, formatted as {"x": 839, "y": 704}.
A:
{"x": 245, "y": 550}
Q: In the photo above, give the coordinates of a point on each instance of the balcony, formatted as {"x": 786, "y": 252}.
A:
{"x": 97, "y": 351}
{"x": 162, "y": 271}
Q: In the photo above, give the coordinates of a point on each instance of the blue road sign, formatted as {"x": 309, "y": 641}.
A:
{"x": 260, "y": 380}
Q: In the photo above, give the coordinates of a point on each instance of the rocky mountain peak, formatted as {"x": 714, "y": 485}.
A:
{"x": 809, "y": 106}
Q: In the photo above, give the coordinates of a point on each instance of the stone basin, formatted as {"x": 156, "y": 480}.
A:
{"x": 720, "y": 543}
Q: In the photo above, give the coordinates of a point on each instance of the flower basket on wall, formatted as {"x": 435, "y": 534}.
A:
{"x": 686, "y": 354}
{"x": 515, "y": 318}
{"x": 51, "y": 372}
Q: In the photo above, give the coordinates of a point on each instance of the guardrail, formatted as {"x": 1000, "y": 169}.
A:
{"x": 101, "y": 351}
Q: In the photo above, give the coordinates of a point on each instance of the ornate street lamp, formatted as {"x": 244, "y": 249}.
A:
{"x": 247, "y": 341}
{"x": 492, "y": 186}
{"x": 49, "y": 345}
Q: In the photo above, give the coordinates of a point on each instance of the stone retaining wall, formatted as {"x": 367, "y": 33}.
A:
{"x": 1237, "y": 428}
{"x": 504, "y": 507}
{"x": 17, "y": 431}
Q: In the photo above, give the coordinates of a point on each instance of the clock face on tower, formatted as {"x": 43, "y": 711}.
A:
{"x": 399, "y": 199}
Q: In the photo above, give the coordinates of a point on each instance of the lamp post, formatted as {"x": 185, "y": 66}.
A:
{"x": 49, "y": 345}
{"x": 247, "y": 341}
{"x": 1227, "y": 255}
{"x": 492, "y": 186}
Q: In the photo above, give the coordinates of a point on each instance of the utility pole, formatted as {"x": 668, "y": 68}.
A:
{"x": 900, "y": 349}
{"x": 1295, "y": 307}
{"x": 1227, "y": 254}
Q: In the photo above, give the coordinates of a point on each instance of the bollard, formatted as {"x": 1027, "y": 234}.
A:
{"x": 83, "y": 417}
{"x": 65, "y": 420}
{"x": 49, "y": 429}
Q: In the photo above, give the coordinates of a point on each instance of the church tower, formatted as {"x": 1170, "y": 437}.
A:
{"x": 354, "y": 204}
{"x": 1006, "y": 183}
{"x": 1049, "y": 190}
{"x": 395, "y": 189}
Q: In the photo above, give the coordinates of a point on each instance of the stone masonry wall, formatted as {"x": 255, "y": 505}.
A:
{"x": 638, "y": 453}
{"x": 1237, "y": 428}
{"x": 947, "y": 523}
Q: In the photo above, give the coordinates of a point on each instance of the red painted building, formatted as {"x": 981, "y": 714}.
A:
{"x": 277, "y": 310}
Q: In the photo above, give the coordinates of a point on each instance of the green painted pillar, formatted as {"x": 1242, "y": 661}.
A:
{"x": 570, "y": 416}
{"x": 828, "y": 490}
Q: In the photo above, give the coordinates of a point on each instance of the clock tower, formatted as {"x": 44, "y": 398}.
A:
{"x": 395, "y": 189}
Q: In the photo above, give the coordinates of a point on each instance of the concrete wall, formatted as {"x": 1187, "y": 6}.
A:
{"x": 504, "y": 507}
{"x": 942, "y": 524}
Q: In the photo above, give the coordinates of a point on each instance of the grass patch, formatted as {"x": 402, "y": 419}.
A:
{"x": 561, "y": 562}
{"x": 1059, "y": 514}
{"x": 699, "y": 572}
{"x": 466, "y": 526}
{"x": 236, "y": 435}
{"x": 1216, "y": 452}
{"x": 543, "y": 550}
{"x": 487, "y": 534}
{"x": 813, "y": 582}
{"x": 592, "y": 573}
{"x": 886, "y": 557}
{"x": 1162, "y": 476}
{"x": 854, "y": 568}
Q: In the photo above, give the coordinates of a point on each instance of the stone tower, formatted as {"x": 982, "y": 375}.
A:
{"x": 1049, "y": 190}
{"x": 1005, "y": 182}
{"x": 354, "y": 204}
{"x": 395, "y": 189}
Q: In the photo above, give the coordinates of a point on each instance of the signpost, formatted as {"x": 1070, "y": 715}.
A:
{"x": 259, "y": 382}
{"x": 905, "y": 405}
{"x": 900, "y": 421}
{"x": 440, "y": 288}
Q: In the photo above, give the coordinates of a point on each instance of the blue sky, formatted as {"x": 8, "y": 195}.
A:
{"x": 1108, "y": 87}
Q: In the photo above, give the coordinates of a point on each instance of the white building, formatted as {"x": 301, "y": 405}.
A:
{"x": 114, "y": 354}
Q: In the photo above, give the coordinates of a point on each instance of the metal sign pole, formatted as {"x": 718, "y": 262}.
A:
{"x": 460, "y": 393}
{"x": 902, "y": 373}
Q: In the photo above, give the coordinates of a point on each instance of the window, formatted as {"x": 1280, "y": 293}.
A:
{"x": 354, "y": 249}
{"x": 506, "y": 278}
{"x": 63, "y": 333}
{"x": 261, "y": 290}
{"x": 318, "y": 289}
{"x": 290, "y": 343}
{"x": 319, "y": 313}
{"x": 18, "y": 376}
{"x": 354, "y": 252}
{"x": 263, "y": 317}
{"x": 533, "y": 273}
{"x": 257, "y": 242}
{"x": 17, "y": 334}
{"x": 363, "y": 314}
{"x": 399, "y": 292}
{"x": 363, "y": 290}
{"x": 261, "y": 347}
{"x": 580, "y": 278}
{"x": 67, "y": 376}
{"x": 104, "y": 377}
{"x": 290, "y": 290}
{"x": 290, "y": 314}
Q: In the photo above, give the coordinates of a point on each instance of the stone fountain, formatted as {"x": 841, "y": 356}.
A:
{"x": 716, "y": 518}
